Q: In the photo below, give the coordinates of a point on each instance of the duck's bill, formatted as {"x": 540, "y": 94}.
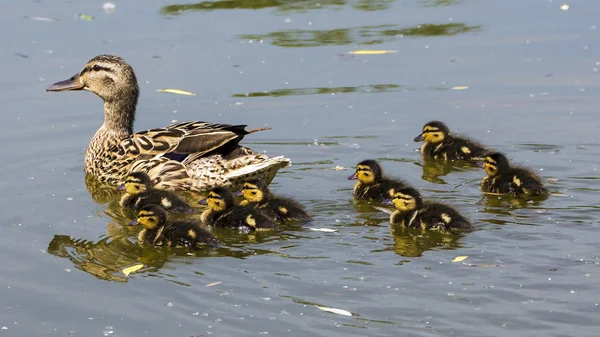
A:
{"x": 419, "y": 138}
{"x": 203, "y": 202}
{"x": 120, "y": 188}
{"x": 70, "y": 84}
{"x": 353, "y": 176}
{"x": 133, "y": 223}
{"x": 387, "y": 202}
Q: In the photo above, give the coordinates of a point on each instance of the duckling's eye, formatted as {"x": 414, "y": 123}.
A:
{"x": 96, "y": 67}
{"x": 253, "y": 192}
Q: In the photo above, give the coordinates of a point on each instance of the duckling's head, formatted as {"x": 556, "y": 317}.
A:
{"x": 219, "y": 199}
{"x": 406, "y": 199}
{"x": 495, "y": 163}
{"x": 433, "y": 132}
{"x": 255, "y": 191}
{"x": 150, "y": 216}
{"x": 136, "y": 182}
{"x": 107, "y": 76}
{"x": 367, "y": 172}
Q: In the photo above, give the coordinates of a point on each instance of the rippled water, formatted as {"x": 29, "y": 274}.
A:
{"x": 532, "y": 75}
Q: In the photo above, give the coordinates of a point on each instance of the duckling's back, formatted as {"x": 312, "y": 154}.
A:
{"x": 517, "y": 180}
{"x": 169, "y": 201}
{"x": 284, "y": 209}
{"x": 455, "y": 148}
{"x": 188, "y": 234}
{"x": 439, "y": 216}
{"x": 379, "y": 191}
{"x": 242, "y": 217}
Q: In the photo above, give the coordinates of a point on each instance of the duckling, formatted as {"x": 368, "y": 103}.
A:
{"x": 372, "y": 184}
{"x": 439, "y": 144}
{"x": 411, "y": 211}
{"x": 503, "y": 178}
{"x": 222, "y": 212}
{"x": 159, "y": 232}
{"x": 141, "y": 193}
{"x": 258, "y": 196}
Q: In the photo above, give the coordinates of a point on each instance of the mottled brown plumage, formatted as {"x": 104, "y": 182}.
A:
{"x": 195, "y": 156}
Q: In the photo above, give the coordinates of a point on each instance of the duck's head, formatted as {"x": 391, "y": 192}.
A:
{"x": 254, "y": 191}
{"x": 433, "y": 132}
{"x": 219, "y": 199}
{"x": 150, "y": 216}
{"x": 495, "y": 163}
{"x": 107, "y": 76}
{"x": 406, "y": 199}
{"x": 136, "y": 182}
{"x": 367, "y": 172}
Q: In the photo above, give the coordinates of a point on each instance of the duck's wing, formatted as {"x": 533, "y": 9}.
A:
{"x": 181, "y": 139}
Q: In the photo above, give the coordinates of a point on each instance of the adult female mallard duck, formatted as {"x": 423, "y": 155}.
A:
{"x": 257, "y": 195}
{"x": 194, "y": 156}
{"x": 222, "y": 212}
{"x": 411, "y": 211}
{"x": 503, "y": 178}
{"x": 140, "y": 192}
{"x": 440, "y": 144}
{"x": 159, "y": 231}
{"x": 372, "y": 184}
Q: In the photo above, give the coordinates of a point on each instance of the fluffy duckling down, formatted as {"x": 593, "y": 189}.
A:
{"x": 412, "y": 211}
{"x": 504, "y": 178}
{"x": 223, "y": 213}
{"x": 440, "y": 144}
{"x": 372, "y": 183}
{"x": 139, "y": 193}
{"x": 258, "y": 196}
{"x": 159, "y": 231}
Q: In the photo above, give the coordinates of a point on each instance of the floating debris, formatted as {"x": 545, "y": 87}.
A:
{"x": 372, "y": 52}
{"x": 176, "y": 91}
{"x": 132, "y": 269}
{"x": 327, "y": 230}
{"x": 22, "y": 55}
{"x": 213, "y": 284}
{"x": 335, "y": 311}
{"x": 565, "y": 7}
{"x": 85, "y": 17}
{"x": 460, "y": 258}
{"x": 109, "y": 7}
{"x": 41, "y": 18}
{"x": 460, "y": 87}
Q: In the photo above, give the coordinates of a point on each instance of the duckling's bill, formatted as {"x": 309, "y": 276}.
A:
{"x": 72, "y": 83}
{"x": 121, "y": 188}
{"x": 203, "y": 201}
{"x": 353, "y": 176}
{"x": 419, "y": 138}
{"x": 387, "y": 202}
{"x": 133, "y": 223}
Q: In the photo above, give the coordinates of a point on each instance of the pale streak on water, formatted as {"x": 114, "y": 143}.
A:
{"x": 532, "y": 73}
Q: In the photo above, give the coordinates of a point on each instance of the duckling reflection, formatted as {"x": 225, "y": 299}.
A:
{"x": 372, "y": 183}
{"x": 413, "y": 242}
{"x": 440, "y": 144}
{"x": 504, "y": 178}
{"x": 101, "y": 193}
{"x": 434, "y": 169}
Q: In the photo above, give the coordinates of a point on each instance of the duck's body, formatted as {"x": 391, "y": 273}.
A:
{"x": 502, "y": 178}
{"x": 372, "y": 184}
{"x": 440, "y": 144}
{"x": 280, "y": 209}
{"x": 139, "y": 193}
{"x": 159, "y": 232}
{"x": 412, "y": 212}
{"x": 194, "y": 156}
{"x": 223, "y": 213}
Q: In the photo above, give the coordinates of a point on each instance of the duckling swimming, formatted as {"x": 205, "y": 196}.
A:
{"x": 141, "y": 193}
{"x": 222, "y": 212}
{"x": 372, "y": 184}
{"x": 258, "y": 196}
{"x": 159, "y": 232}
{"x": 411, "y": 211}
{"x": 439, "y": 144}
{"x": 506, "y": 179}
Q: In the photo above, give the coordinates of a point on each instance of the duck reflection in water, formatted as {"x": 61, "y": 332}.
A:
{"x": 434, "y": 169}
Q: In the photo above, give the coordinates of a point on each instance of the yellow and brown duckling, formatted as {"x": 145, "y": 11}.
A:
{"x": 504, "y": 178}
{"x": 222, "y": 212}
{"x": 440, "y": 144}
{"x": 413, "y": 212}
{"x": 140, "y": 192}
{"x": 258, "y": 196}
{"x": 372, "y": 183}
{"x": 159, "y": 231}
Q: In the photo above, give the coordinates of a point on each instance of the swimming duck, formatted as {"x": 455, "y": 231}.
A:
{"x": 223, "y": 213}
{"x": 411, "y": 211}
{"x": 258, "y": 196}
{"x": 439, "y": 144}
{"x": 139, "y": 193}
{"x": 372, "y": 184}
{"x": 193, "y": 156}
{"x": 159, "y": 231}
{"x": 503, "y": 178}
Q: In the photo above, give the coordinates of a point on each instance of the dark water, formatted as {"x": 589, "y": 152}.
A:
{"x": 533, "y": 81}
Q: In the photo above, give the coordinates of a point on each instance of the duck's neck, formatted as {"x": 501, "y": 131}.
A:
{"x": 119, "y": 113}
